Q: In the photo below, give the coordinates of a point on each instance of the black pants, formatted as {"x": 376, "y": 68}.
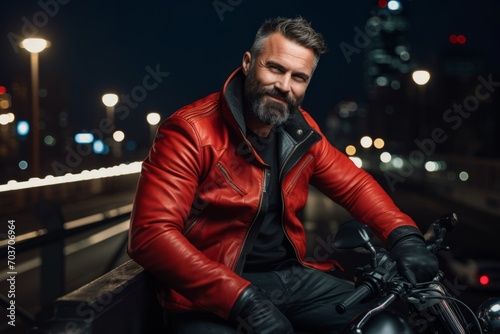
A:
{"x": 307, "y": 297}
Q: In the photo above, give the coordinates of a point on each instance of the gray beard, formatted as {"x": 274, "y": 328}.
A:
{"x": 271, "y": 113}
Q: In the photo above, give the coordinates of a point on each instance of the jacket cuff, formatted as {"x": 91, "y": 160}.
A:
{"x": 401, "y": 232}
{"x": 241, "y": 302}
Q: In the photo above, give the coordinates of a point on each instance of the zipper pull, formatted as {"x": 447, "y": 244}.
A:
{"x": 267, "y": 176}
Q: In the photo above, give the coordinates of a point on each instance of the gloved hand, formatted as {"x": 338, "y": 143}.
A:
{"x": 255, "y": 313}
{"x": 414, "y": 261}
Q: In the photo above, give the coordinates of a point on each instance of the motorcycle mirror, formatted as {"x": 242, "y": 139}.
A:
{"x": 489, "y": 314}
{"x": 352, "y": 234}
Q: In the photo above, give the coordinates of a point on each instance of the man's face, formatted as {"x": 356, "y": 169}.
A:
{"x": 277, "y": 79}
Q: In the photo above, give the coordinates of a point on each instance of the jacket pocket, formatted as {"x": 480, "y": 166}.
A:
{"x": 230, "y": 181}
{"x": 296, "y": 177}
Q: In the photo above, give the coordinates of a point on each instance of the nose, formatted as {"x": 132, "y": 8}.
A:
{"x": 283, "y": 83}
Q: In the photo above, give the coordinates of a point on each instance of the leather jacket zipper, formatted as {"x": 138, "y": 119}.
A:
{"x": 283, "y": 198}
{"x": 252, "y": 230}
{"x": 190, "y": 225}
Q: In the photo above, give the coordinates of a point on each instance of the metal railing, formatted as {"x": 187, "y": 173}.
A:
{"x": 50, "y": 240}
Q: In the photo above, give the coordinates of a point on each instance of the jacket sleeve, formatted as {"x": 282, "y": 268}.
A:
{"x": 356, "y": 190}
{"x": 165, "y": 193}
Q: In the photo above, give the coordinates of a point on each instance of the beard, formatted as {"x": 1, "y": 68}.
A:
{"x": 269, "y": 112}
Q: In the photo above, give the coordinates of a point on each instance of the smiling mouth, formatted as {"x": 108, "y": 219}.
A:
{"x": 277, "y": 99}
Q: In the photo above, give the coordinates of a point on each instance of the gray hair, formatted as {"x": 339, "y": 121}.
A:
{"x": 297, "y": 30}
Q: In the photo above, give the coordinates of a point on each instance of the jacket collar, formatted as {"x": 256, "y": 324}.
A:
{"x": 232, "y": 101}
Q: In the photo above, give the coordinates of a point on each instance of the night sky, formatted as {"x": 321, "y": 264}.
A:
{"x": 103, "y": 46}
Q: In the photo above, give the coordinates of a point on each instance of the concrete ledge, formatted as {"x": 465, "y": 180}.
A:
{"x": 121, "y": 301}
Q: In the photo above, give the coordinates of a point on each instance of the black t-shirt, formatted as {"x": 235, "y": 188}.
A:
{"x": 270, "y": 248}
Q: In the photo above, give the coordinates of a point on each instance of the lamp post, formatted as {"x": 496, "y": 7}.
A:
{"x": 421, "y": 78}
{"x": 118, "y": 137}
{"x": 110, "y": 100}
{"x": 34, "y": 46}
{"x": 153, "y": 119}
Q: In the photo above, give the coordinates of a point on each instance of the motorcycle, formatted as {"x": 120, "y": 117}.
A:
{"x": 379, "y": 283}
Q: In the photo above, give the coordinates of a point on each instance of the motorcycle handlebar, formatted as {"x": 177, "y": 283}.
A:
{"x": 373, "y": 279}
{"x": 362, "y": 291}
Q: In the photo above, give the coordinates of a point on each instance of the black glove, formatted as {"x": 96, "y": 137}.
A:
{"x": 254, "y": 313}
{"x": 414, "y": 261}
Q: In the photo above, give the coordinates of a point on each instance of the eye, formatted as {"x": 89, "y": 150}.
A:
{"x": 274, "y": 69}
{"x": 300, "y": 78}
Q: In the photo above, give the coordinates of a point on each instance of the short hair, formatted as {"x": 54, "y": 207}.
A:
{"x": 297, "y": 30}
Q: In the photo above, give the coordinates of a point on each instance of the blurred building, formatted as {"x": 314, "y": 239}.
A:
{"x": 403, "y": 112}
{"x": 388, "y": 64}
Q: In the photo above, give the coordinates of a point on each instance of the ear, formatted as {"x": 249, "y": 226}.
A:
{"x": 245, "y": 64}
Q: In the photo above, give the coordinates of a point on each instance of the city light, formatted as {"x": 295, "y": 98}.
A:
{"x": 118, "y": 136}
{"x": 394, "y": 5}
{"x": 122, "y": 169}
{"x": 382, "y": 3}
{"x": 110, "y": 100}
{"x": 23, "y": 165}
{"x": 4, "y": 104}
{"x": 4, "y": 98}
{"x": 397, "y": 162}
{"x": 421, "y": 77}
{"x": 23, "y": 128}
{"x": 84, "y": 138}
{"x": 350, "y": 150}
{"x": 7, "y": 118}
{"x": 434, "y": 166}
{"x": 379, "y": 143}
{"x": 153, "y": 118}
{"x": 484, "y": 280}
{"x": 431, "y": 166}
{"x": 366, "y": 142}
{"x": 49, "y": 140}
{"x": 457, "y": 39}
{"x": 382, "y": 81}
{"x": 357, "y": 161}
{"x": 385, "y": 157}
{"x": 98, "y": 147}
{"x": 463, "y": 176}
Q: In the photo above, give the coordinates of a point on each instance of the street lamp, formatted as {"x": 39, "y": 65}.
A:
{"x": 34, "y": 47}
{"x": 421, "y": 77}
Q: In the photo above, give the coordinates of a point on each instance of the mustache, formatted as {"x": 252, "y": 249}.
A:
{"x": 285, "y": 97}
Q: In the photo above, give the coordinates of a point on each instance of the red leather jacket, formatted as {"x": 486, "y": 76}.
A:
{"x": 200, "y": 193}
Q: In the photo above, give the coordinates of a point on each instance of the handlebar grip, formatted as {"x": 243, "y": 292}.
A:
{"x": 361, "y": 292}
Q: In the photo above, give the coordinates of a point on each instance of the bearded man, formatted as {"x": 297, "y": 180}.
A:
{"x": 215, "y": 216}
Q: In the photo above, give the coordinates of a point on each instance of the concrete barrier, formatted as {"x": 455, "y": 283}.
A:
{"x": 121, "y": 301}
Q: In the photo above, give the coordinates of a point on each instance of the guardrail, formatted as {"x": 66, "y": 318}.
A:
{"x": 51, "y": 242}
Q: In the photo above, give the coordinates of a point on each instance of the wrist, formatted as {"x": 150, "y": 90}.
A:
{"x": 402, "y": 232}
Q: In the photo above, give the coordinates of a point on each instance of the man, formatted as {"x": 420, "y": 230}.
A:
{"x": 215, "y": 214}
